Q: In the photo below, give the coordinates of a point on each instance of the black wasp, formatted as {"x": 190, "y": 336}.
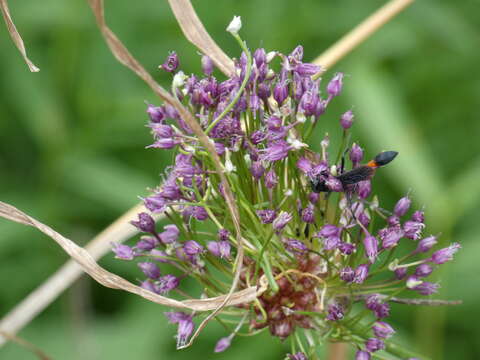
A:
{"x": 360, "y": 173}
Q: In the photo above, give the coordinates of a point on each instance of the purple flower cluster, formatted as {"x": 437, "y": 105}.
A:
{"x": 321, "y": 242}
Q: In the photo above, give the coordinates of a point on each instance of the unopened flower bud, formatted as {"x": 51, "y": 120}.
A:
{"x": 347, "y": 274}
{"x": 426, "y": 244}
{"x": 281, "y": 220}
{"x": 364, "y": 189}
{"x": 400, "y": 273}
{"x": 346, "y": 120}
{"x": 361, "y": 274}
{"x": 271, "y": 179}
{"x": 446, "y": 254}
{"x": 413, "y": 281}
{"x": 297, "y": 356}
{"x": 382, "y": 330}
{"x": 308, "y": 214}
{"x": 122, "y": 251}
{"x": 207, "y": 65}
{"x": 260, "y": 57}
{"x": 426, "y": 288}
{"x": 171, "y": 64}
{"x": 402, "y": 206}
{"x": 362, "y": 355}
{"x": 170, "y": 234}
{"x": 155, "y": 113}
{"x": 223, "y": 234}
{"x": 374, "y": 344}
{"x": 145, "y": 223}
{"x": 166, "y": 283}
{"x": 223, "y": 344}
{"x": 335, "y": 85}
{"x": 346, "y": 248}
{"x": 150, "y": 269}
{"x": 179, "y": 79}
{"x": 266, "y": 216}
{"x": 356, "y": 154}
{"x": 371, "y": 247}
{"x": 423, "y": 270}
{"x": 219, "y": 248}
{"x": 192, "y": 247}
{"x": 257, "y": 170}
{"x": 280, "y": 92}
{"x": 329, "y": 230}
{"x": 334, "y": 184}
{"x": 235, "y": 25}
{"x": 335, "y": 312}
{"x": 418, "y": 216}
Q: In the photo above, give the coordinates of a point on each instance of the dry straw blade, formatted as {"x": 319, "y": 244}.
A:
{"x": 14, "y": 34}
{"x": 195, "y": 32}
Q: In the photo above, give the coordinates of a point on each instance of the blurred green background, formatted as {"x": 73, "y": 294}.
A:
{"x": 72, "y": 153}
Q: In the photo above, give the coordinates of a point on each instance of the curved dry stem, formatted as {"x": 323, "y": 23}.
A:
{"x": 108, "y": 279}
{"x": 15, "y": 35}
{"x": 195, "y": 32}
{"x": 123, "y": 55}
{"x": 49, "y": 290}
{"x": 360, "y": 33}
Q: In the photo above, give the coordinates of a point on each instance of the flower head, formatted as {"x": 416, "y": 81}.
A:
{"x": 245, "y": 174}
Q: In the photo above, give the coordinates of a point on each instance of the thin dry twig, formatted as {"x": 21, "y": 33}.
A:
{"x": 123, "y": 56}
{"x": 24, "y": 343}
{"x": 360, "y": 33}
{"x": 108, "y": 279}
{"x": 195, "y": 32}
{"x": 15, "y": 35}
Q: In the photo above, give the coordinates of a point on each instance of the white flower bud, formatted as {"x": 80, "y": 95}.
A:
{"x": 333, "y": 170}
{"x": 271, "y": 55}
{"x": 179, "y": 79}
{"x": 270, "y": 74}
{"x": 229, "y": 167}
{"x": 235, "y": 25}
{"x": 301, "y": 117}
{"x": 413, "y": 282}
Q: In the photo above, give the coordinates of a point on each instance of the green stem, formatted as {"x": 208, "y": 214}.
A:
{"x": 390, "y": 347}
{"x": 242, "y": 86}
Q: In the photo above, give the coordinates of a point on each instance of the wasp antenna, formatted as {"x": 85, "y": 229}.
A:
{"x": 385, "y": 157}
